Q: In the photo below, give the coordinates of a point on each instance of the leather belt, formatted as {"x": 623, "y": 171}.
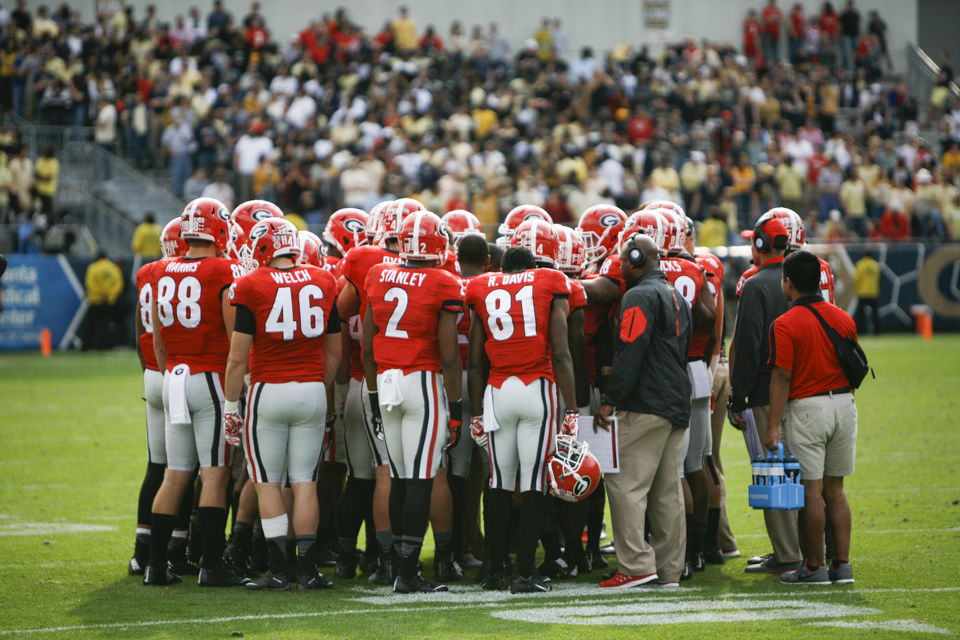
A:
{"x": 834, "y": 392}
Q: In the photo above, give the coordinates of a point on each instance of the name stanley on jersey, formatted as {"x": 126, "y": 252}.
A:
{"x": 398, "y": 276}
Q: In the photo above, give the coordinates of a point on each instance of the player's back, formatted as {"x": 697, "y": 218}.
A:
{"x": 357, "y": 264}
{"x": 291, "y": 309}
{"x": 405, "y": 303}
{"x": 515, "y": 310}
{"x": 189, "y": 309}
{"x": 145, "y": 281}
{"x": 826, "y": 281}
{"x": 685, "y": 275}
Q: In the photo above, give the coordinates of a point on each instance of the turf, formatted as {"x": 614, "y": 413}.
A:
{"x": 72, "y": 457}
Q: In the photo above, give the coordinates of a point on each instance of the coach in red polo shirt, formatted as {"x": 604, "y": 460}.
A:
{"x": 811, "y": 394}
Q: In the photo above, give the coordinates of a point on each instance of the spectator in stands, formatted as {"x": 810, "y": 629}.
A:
{"x": 179, "y": 143}
{"x": 21, "y": 182}
{"x": 146, "y": 238}
{"x": 220, "y": 189}
{"x": 48, "y": 173}
{"x": 138, "y": 123}
{"x": 926, "y": 220}
{"x": 894, "y": 224}
{"x": 829, "y": 181}
{"x": 104, "y": 283}
{"x": 6, "y": 181}
{"x": 217, "y": 20}
{"x": 105, "y": 135}
{"x": 850, "y": 30}
{"x": 246, "y": 156}
{"x": 867, "y": 281}
{"x": 853, "y": 197}
{"x": 744, "y": 179}
{"x": 404, "y": 32}
{"x": 194, "y": 186}
{"x": 714, "y": 231}
{"x": 772, "y": 17}
{"x": 796, "y": 33}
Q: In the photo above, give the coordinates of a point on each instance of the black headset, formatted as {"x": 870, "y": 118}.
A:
{"x": 635, "y": 255}
{"x": 764, "y": 243}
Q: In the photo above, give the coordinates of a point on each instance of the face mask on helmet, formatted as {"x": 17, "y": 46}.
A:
{"x": 572, "y": 470}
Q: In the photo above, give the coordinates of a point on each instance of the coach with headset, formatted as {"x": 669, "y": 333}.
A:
{"x": 650, "y": 390}
{"x": 761, "y": 302}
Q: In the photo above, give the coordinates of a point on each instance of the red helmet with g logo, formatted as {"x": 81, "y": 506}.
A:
{"x": 516, "y": 217}
{"x": 346, "y": 229}
{"x": 311, "y": 249}
{"x": 462, "y": 222}
{"x": 393, "y": 217}
{"x": 599, "y": 226}
{"x": 537, "y": 235}
{"x": 423, "y": 236}
{"x": 206, "y": 219}
{"x": 571, "y": 252}
{"x": 242, "y": 221}
{"x": 573, "y": 471}
{"x": 171, "y": 243}
{"x": 274, "y": 238}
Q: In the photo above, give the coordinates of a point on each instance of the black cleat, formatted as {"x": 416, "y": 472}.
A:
{"x": 269, "y": 581}
{"x": 597, "y": 561}
{"x": 219, "y": 576}
{"x": 494, "y": 582}
{"x": 134, "y": 568}
{"x": 445, "y": 569}
{"x": 183, "y": 567}
{"x": 697, "y": 563}
{"x": 417, "y": 584}
{"x": 687, "y": 571}
{"x": 557, "y": 568}
{"x": 326, "y": 557}
{"x": 714, "y": 556}
{"x": 152, "y": 577}
{"x": 385, "y": 573}
{"x": 530, "y": 584}
{"x": 310, "y": 580}
{"x": 346, "y": 566}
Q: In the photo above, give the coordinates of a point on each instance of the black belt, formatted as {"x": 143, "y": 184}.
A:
{"x": 834, "y": 392}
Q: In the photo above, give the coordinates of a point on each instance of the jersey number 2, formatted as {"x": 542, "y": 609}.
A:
{"x": 282, "y": 318}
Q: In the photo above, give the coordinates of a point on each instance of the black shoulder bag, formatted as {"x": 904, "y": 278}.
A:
{"x": 851, "y": 356}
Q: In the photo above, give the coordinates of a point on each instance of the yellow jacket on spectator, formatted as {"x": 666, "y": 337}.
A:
{"x": 297, "y": 220}
{"x": 146, "y": 240}
{"x": 47, "y": 170}
{"x": 867, "y": 278}
{"x": 713, "y": 233}
{"x": 789, "y": 181}
{"x": 853, "y": 196}
{"x": 104, "y": 282}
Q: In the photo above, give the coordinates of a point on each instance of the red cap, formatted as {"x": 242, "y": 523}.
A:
{"x": 257, "y": 127}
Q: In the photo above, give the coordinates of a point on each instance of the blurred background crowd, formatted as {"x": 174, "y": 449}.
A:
{"x": 802, "y": 113}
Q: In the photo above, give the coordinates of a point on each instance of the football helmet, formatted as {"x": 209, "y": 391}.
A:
{"x": 648, "y": 222}
{"x": 538, "y": 236}
{"x": 423, "y": 236}
{"x": 571, "y": 253}
{"x": 171, "y": 243}
{"x": 599, "y": 227}
{"x": 796, "y": 233}
{"x": 669, "y": 205}
{"x": 461, "y": 223}
{"x": 393, "y": 217}
{"x": 206, "y": 219}
{"x": 572, "y": 470}
{"x": 311, "y": 249}
{"x": 346, "y": 229}
{"x": 677, "y": 231}
{"x": 515, "y": 218}
{"x": 242, "y": 220}
{"x": 274, "y": 238}
{"x": 375, "y": 220}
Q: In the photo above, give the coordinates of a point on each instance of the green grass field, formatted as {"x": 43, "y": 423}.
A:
{"x": 72, "y": 452}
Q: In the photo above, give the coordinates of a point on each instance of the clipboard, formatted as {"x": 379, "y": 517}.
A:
{"x": 603, "y": 444}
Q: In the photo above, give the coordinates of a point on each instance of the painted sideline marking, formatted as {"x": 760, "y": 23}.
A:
{"x": 864, "y": 531}
{"x": 425, "y": 609}
{"x": 46, "y": 528}
{"x": 913, "y": 626}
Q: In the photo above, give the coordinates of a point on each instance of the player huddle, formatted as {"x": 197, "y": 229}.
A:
{"x": 322, "y": 383}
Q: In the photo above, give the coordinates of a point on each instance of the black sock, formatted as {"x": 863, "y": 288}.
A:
{"x": 696, "y": 534}
{"x": 713, "y": 529}
{"x": 141, "y": 548}
{"x": 177, "y": 549}
{"x": 573, "y": 520}
{"x": 551, "y": 544}
{"x": 385, "y": 540}
{"x": 458, "y": 491}
{"x": 414, "y": 521}
{"x": 596, "y": 501}
{"x": 398, "y": 494}
{"x": 305, "y": 561}
{"x": 496, "y": 511}
{"x": 161, "y": 526}
{"x": 350, "y": 511}
{"x": 152, "y": 480}
{"x": 441, "y": 541}
{"x": 531, "y": 519}
{"x": 277, "y": 552}
{"x": 213, "y": 523}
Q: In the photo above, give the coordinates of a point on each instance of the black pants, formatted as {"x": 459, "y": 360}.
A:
{"x": 862, "y": 305}
{"x": 99, "y": 327}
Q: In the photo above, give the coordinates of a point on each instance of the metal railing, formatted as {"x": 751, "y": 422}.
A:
{"x": 921, "y": 76}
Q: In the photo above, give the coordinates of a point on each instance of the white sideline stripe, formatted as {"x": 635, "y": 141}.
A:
{"x": 46, "y": 528}
{"x": 691, "y": 611}
{"x": 60, "y": 565}
{"x": 912, "y": 626}
{"x": 476, "y": 595}
{"x": 859, "y": 532}
{"x": 381, "y": 611}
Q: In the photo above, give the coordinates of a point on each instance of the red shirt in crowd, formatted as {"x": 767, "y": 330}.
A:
{"x": 894, "y": 225}
{"x": 798, "y": 24}
{"x": 830, "y": 24}
{"x": 772, "y": 16}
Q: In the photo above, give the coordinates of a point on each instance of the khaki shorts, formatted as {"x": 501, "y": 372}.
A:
{"x": 822, "y": 433}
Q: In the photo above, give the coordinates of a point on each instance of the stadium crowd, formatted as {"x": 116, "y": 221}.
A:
{"x": 333, "y": 116}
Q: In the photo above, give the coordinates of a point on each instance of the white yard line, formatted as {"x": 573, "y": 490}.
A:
{"x": 903, "y": 626}
{"x": 639, "y": 598}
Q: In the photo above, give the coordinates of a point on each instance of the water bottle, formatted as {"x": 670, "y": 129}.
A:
{"x": 792, "y": 469}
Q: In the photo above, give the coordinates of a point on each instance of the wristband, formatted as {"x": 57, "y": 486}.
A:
{"x": 231, "y": 406}
{"x": 456, "y": 410}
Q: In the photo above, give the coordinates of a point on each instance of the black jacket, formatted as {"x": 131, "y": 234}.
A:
{"x": 761, "y": 302}
{"x": 650, "y": 361}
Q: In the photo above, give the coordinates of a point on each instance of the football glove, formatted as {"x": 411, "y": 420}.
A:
{"x": 456, "y": 421}
{"x": 476, "y": 430}
{"x": 327, "y": 437}
{"x": 571, "y": 423}
{"x": 232, "y": 423}
{"x": 376, "y": 418}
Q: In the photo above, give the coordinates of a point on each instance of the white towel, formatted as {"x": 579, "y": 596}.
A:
{"x": 388, "y": 388}
{"x": 489, "y": 417}
{"x": 177, "y": 395}
{"x": 700, "y": 384}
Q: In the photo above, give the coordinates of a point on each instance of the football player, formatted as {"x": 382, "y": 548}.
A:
{"x": 412, "y": 366}
{"x": 600, "y": 226}
{"x": 172, "y": 246}
{"x": 192, "y": 322}
{"x": 519, "y": 355}
{"x": 517, "y": 216}
{"x": 285, "y": 312}
{"x": 382, "y": 231}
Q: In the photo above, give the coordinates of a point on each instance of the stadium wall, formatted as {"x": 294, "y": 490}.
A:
{"x": 602, "y": 24}
{"x": 45, "y": 291}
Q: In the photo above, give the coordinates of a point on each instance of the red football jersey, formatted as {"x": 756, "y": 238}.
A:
{"x": 578, "y": 297}
{"x": 463, "y": 326}
{"x": 451, "y": 264}
{"x": 190, "y": 312}
{"x": 611, "y": 269}
{"x": 332, "y": 264}
{"x": 515, "y": 311}
{"x": 405, "y": 303}
{"x": 291, "y": 308}
{"x": 826, "y": 281}
{"x": 713, "y": 275}
{"x": 685, "y": 275}
{"x": 355, "y": 331}
{"x": 145, "y": 299}
{"x": 743, "y": 278}
{"x": 358, "y": 263}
